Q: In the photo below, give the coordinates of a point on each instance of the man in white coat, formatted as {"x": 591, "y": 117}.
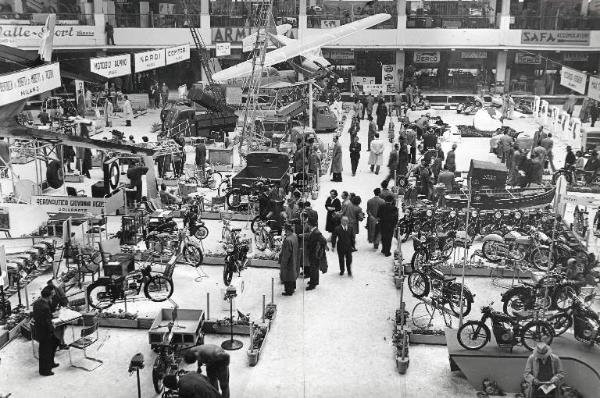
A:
{"x": 127, "y": 111}
{"x": 376, "y": 154}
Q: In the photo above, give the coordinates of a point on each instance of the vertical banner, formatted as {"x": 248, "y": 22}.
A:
{"x": 3, "y": 268}
{"x": 389, "y": 77}
{"x": 223, "y": 49}
{"x": 594, "y": 88}
{"x": 80, "y": 96}
{"x": 573, "y": 79}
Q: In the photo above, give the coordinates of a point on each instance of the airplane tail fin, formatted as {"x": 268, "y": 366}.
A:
{"x": 46, "y": 45}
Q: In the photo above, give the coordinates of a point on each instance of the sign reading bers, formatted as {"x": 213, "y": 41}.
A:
{"x": 149, "y": 60}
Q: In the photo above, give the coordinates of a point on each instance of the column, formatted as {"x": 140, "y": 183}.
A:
{"x": 400, "y": 63}
{"x": 302, "y": 19}
{"x": 144, "y": 14}
{"x": 401, "y": 10}
{"x": 504, "y": 15}
{"x": 205, "y": 17}
{"x": 501, "y": 72}
{"x": 18, "y": 6}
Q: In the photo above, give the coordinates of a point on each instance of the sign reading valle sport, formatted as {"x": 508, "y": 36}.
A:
{"x": 177, "y": 54}
{"x": 30, "y": 36}
{"x": 117, "y": 65}
{"x": 573, "y": 79}
{"x": 555, "y": 37}
{"x": 27, "y": 83}
{"x": 149, "y": 60}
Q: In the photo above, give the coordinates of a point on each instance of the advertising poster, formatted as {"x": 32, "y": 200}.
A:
{"x": 389, "y": 78}
{"x": 27, "y": 83}
{"x": 177, "y": 54}
{"x": 223, "y": 49}
{"x": 573, "y": 79}
{"x": 118, "y": 65}
{"x": 594, "y": 88}
{"x": 148, "y": 60}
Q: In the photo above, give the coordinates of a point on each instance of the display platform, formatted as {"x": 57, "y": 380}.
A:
{"x": 580, "y": 362}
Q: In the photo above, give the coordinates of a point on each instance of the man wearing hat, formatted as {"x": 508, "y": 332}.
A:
{"x": 44, "y": 331}
{"x": 288, "y": 260}
{"x": 542, "y": 371}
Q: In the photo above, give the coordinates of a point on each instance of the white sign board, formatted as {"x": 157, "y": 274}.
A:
{"x": 473, "y": 54}
{"x": 374, "y": 89}
{"x": 27, "y": 83}
{"x": 177, "y": 54}
{"x": 149, "y": 60}
{"x": 362, "y": 80}
{"x": 30, "y": 36}
{"x": 223, "y": 49}
{"x": 389, "y": 77}
{"x": 248, "y": 43}
{"x": 426, "y": 57}
{"x": 117, "y": 65}
{"x": 594, "y": 88}
{"x": 233, "y": 95}
{"x": 573, "y": 79}
{"x": 3, "y": 268}
{"x": 75, "y": 204}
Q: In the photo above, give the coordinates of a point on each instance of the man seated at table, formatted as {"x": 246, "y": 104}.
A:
{"x": 167, "y": 198}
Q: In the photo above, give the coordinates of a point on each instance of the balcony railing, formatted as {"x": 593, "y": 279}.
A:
{"x": 242, "y": 16}
{"x": 556, "y": 22}
{"x": 333, "y": 19}
{"x": 153, "y": 20}
{"x": 12, "y": 18}
{"x": 450, "y": 21}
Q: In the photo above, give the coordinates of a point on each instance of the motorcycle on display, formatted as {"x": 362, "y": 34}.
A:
{"x": 469, "y": 107}
{"x": 267, "y": 236}
{"x": 495, "y": 224}
{"x": 236, "y": 259}
{"x": 162, "y": 225}
{"x": 584, "y": 320}
{"x": 429, "y": 279}
{"x": 238, "y": 198}
{"x": 192, "y": 220}
{"x": 523, "y": 298}
{"x": 405, "y": 224}
{"x": 474, "y": 335}
{"x": 107, "y": 290}
{"x": 575, "y": 177}
{"x": 434, "y": 247}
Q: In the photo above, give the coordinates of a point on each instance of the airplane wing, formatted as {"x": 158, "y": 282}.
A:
{"x": 304, "y": 48}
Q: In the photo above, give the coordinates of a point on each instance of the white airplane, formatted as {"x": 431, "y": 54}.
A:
{"x": 306, "y": 56}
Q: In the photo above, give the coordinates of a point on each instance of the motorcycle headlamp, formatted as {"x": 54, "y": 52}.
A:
{"x": 474, "y": 213}
{"x": 518, "y": 215}
{"x": 429, "y": 213}
{"x": 453, "y": 213}
{"x": 229, "y": 248}
{"x": 498, "y": 215}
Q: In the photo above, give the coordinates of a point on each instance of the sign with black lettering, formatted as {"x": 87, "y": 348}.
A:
{"x": 573, "y": 79}
{"x": 30, "y": 36}
{"x": 27, "y": 83}
{"x": 527, "y": 59}
{"x": 594, "y": 88}
{"x": 70, "y": 204}
{"x": 149, "y": 60}
{"x": 427, "y": 57}
{"x": 236, "y": 35}
{"x": 177, "y": 54}
{"x": 555, "y": 37}
{"x": 117, "y": 65}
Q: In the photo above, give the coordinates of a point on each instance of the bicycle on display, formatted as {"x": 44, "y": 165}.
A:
{"x": 207, "y": 178}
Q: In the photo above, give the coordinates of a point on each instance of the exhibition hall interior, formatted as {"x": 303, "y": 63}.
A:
{"x": 299, "y": 198}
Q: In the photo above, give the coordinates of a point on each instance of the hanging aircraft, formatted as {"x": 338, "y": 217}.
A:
{"x": 304, "y": 56}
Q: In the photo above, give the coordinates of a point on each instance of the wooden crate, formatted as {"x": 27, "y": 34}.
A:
{"x": 186, "y": 330}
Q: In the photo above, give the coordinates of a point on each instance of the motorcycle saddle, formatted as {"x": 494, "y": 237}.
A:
{"x": 449, "y": 278}
{"x": 236, "y": 229}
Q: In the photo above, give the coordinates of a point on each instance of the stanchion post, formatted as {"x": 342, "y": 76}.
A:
{"x": 263, "y": 308}
{"x": 207, "y": 305}
{"x": 272, "y": 290}
{"x": 26, "y": 297}
{"x": 125, "y": 301}
{"x": 462, "y": 286}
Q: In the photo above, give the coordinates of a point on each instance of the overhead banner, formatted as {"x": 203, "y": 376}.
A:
{"x": 149, "y": 60}
{"x": 594, "y": 88}
{"x": 117, "y": 65}
{"x": 237, "y": 35}
{"x": 427, "y": 57}
{"x": 177, "y": 54}
{"x": 473, "y": 54}
{"x": 223, "y": 49}
{"x": 528, "y": 59}
{"x": 27, "y": 83}
{"x": 573, "y": 79}
{"x": 73, "y": 204}
{"x": 30, "y": 36}
{"x": 389, "y": 77}
{"x": 556, "y": 37}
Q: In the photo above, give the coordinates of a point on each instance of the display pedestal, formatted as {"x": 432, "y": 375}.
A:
{"x": 580, "y": 362}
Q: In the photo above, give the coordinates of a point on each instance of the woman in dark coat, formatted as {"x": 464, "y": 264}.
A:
{"x": 333, "y": 205}
{"x": 403, "y": 158}
{"x": 381, "y": 114}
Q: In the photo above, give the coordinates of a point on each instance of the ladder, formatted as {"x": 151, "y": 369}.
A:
{"x": 263, "y": 18}
{"x": 203, "y": 53}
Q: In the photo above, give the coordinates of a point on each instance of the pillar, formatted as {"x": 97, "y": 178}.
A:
{"x": 501, "y": 71}
{"x": 18, "y": 6}
{"x": 400, "y": 64}
{"x": 401, "y": 10}
{"x": 205, "y": 18}
{"x": 504, "y": 15}
{"x": 302, "y": 19}
{"x": 144, "y": 14}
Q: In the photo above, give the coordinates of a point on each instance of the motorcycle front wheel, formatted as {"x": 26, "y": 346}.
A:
{"x": 98, "y": 296}
{"x": 253, "y": 224}
{"x": 214, "y": 181}
{"x": 536, "y": 332}
{"x": 473, "y": 335}
{"x": 193, "y": 255}
{"x": 455, "y": 302}
{"x": 540, "y": 258}
{"x": 227, "y": 274}
{"x": 158, "y": 288}
{"x": 158, "y": 373}
{"x": 491, "y": 250}
{"x": 201, "y": 232}
{"x": 418, "y": 284}
{"x": 419, "y": 258}
{"x": 560, "y": 322}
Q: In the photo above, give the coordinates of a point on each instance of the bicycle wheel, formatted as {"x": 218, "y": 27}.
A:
{"x": 253, "y": 224}
{"x": 422, "y": 315}
{"x": 193, "y": 255}
{"x": 261, "y": 239}
{"x": 536, "y": 332}
{"x": 418, "y": 259}
{"x": 98, "y": 296}
{"x": 159, "y": 370}
{"x": 563, "y": 297}
{"x": 455, "y": 302}
{"x": 223, "y": 187}
{"x": 473, "y": 335}
{"x": 560, "y": 322}
{"x": 158, "y": 288}
{"x": 214, "y": 181}
{"x": 234, "y": 200}
{"x": 418, "y": 284}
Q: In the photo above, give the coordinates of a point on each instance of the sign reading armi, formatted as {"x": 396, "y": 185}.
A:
{"x": 555, "y": 37}
{"x": 236, "y": 35}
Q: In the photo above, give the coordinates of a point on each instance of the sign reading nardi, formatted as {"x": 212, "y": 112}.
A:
{"x": 555, "y": 37}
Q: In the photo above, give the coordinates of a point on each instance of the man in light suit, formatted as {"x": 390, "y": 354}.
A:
{"x": 343, "y": 236}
